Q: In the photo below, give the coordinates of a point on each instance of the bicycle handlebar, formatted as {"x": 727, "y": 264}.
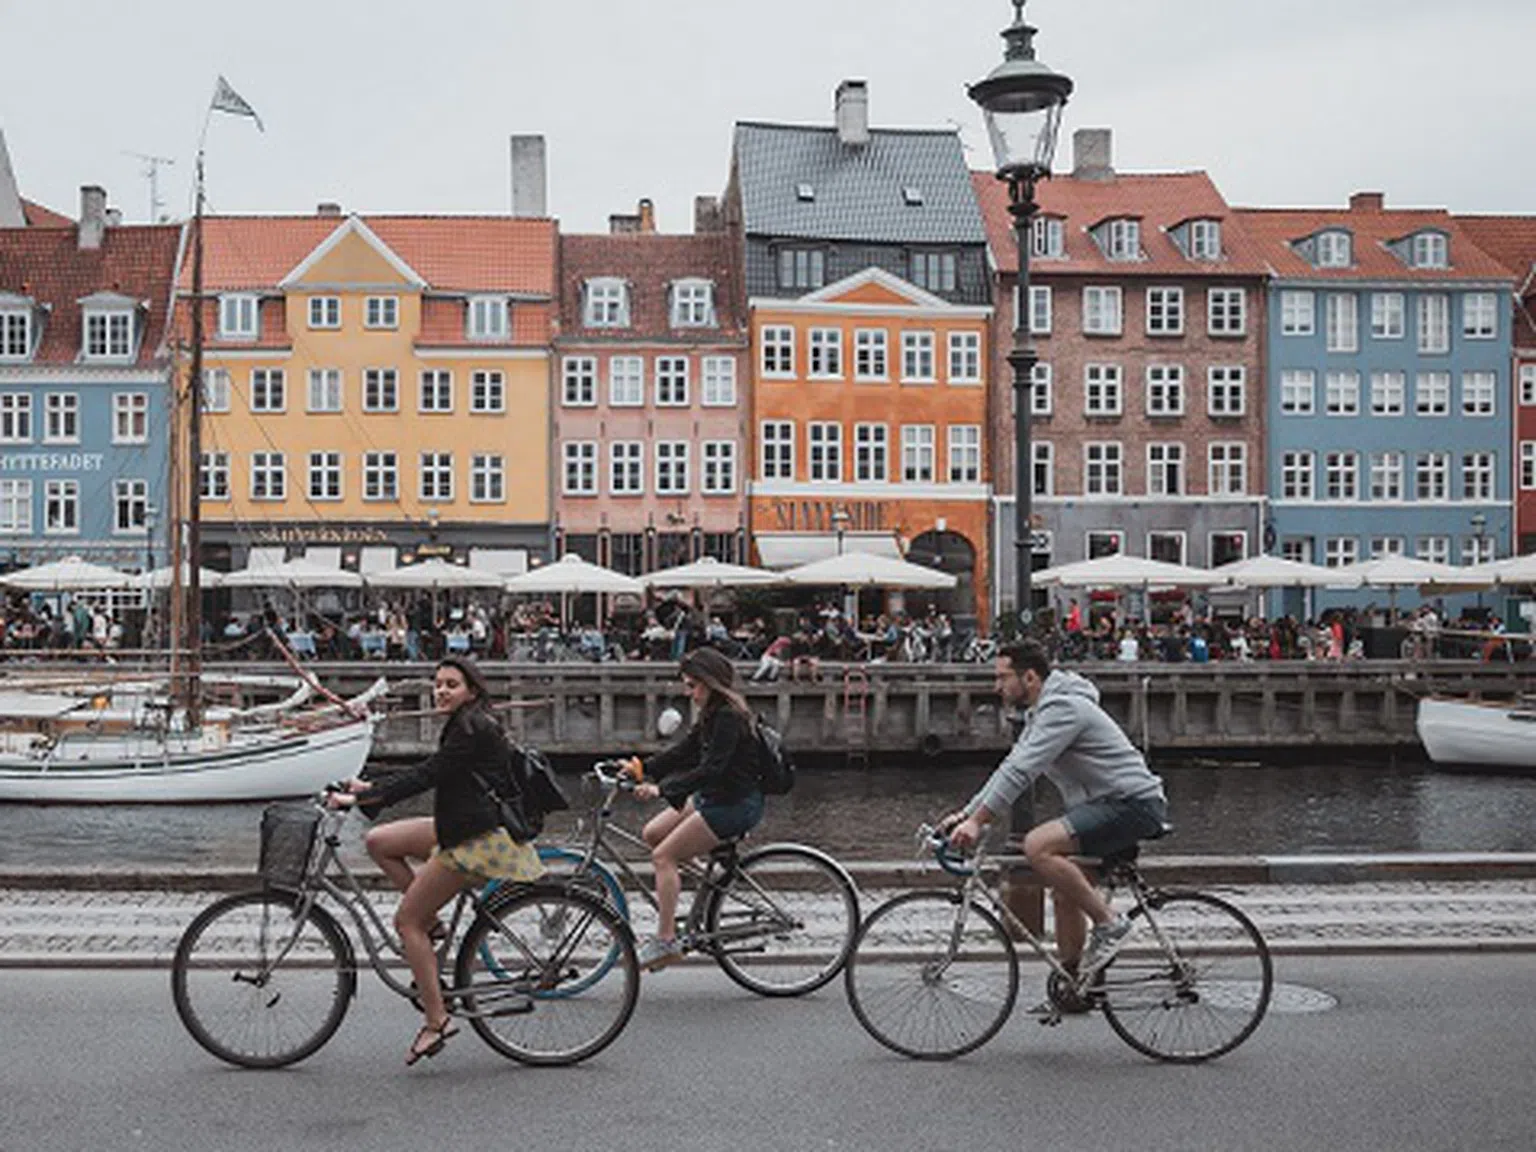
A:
{"x": 608, "y": 774}
{"x": 937, "y": 841}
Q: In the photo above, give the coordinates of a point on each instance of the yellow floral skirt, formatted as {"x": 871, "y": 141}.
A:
{"x": 493, "y": 855}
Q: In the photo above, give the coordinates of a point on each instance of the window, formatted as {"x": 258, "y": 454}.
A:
{"x": 869, "y": 354}
{"x": 1339, "y": 551}
{"x": 381, "y": 312}
{"x": 1166, "y": 546}
{"x": 1387, "y": 315}
{"x": 1432, "y": 475}
{"x": 607, "y": 304}
{"x": 130, "y": 418}
{"x": 1122, "y": 240}
{"x": 435, "y": 391}
{"x": 1040, "y": 309}
{"x": 1480, "y": 316}
{"x": 1477, "y": 476}
{"x": 269, "y": 476}
{"x": 1477, "y": 550}
{"x": 216, "y": 390}
{"x": 1102, "y": 469}
{"x": 1205, "y": 240}
{"x": 1429, "y": 250}
{"x": 1297, "y": 389}
{"x": 580, "y": 467}
{"x": 626, "y": 468}
{"x": 1527, "y": 385}
{"x": 778, "y": 351}
{"x": 826, "y": 352}
{"x": 1040, "y": 400}
{"x": 1341, "y": 476}
{"x": 215, "y": 476}
{"x": 802, "y": 268}
{"x": 778, "y": 450}
{"x": 672, "y": 381}
{"x": 381, "y": 390}
{"x": 1296, "y": 472}
{"x": 436, "y": 480}
{"x": 130, "y": 499}
{"x": 1435, "y": 549}
{"x": 1226, "y": 390}
{"x": 1226, "y": 311}
{"x": 965, "y": 357}
{"x": 1383, "y": 546}
{"x": 61, "y": 507}
{"x": 1228, "y": 469}
{"x": 325, "y": 311}
{"x": 917, "y": 442}
{"x": 719, "y": 381}
{"x": 825, "y": 446}
{"x": 487, "y": 478}
{"x": 1102, "y": 390}
{"x": 917, "y": 356}
{"x": 1297, "y": 548}
{"x": 1343, "y": 323}
{"x": 1341, "y": 394}
{"x": 693, "y": 304}
{"x": 1333, "y": 250}
{"x": 1386, "y": 475}
{"x": 1298, "y": 313}
{"x": 1477, "y": 393}
{"x": 239, "y": 317}
{"x": 269, "y": 392}
{"x": 15, "y": 335}
{"x": 1165, "y": 469}
{"x": 108, "y": 335}
{"x": 325, "y": 475}
{"x": 16, "y": 507}
{"x": 381, "y": 476}
{"x": 964, "y": 453}
{"x": 1048, "y": 237}
{"x": 325, "y": 390}
{"x": 488, "y": 319}
{"x": 672, "y": 468}
{"x": 934, "y": 271}
{"x": 1045, "y": 467}
{"x": 1388, "y": 393}
{"x": 15, "y": 417}
{"x": 871, "y": 463}
{"x": 1432, "y": 394}
{"x": 487, "y": 391}
{"x": 61, "y": 418}
{"x": 719, "y": 468}
{"x": 626, "y": 381}
{"x": 1165, "y": 390}
{"x": 1105, "y": 543}
{"x": 1434, "y": 322}
{"x": 579, "y": 374}
{"x": 1527, "y": 465}
{"x": 1101, "y": 311}
{"x": 1165, "y": 311}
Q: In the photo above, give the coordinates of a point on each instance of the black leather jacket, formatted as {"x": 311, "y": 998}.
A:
{"x": 717, "y": 759}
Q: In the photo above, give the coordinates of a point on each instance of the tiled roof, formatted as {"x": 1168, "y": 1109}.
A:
{"x": 857, "y": 191}
{"x": 1160, "y": 201}
{"x": 46, "y": 264}
{"x": 1511, "y": 240}
{"x": 1276, "y": 229}
{"x": 40, "y": 217}
{"x": 650, "y": 263}
{"x": 452, "y": 253}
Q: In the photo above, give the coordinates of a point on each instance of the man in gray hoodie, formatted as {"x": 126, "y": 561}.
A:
{"x": 1111, "y": 798}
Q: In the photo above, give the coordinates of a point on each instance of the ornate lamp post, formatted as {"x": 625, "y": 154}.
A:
{"x": 1021, "y": 101}
{"x": 1479, "y": 528}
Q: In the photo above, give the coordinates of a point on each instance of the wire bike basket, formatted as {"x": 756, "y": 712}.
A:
{"x": 288, "y": 835}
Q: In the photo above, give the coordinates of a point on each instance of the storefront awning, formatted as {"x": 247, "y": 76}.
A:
{"x": 778, "y": 550}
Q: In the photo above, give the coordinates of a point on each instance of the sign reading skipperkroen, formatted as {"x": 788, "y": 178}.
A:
{"x": 52, "y": 462}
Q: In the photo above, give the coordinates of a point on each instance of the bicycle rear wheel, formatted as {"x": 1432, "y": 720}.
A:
{"x": 569, "y": 954}
{"x": 1199, "y": 997}
{"x": 256, "y": 985}
{"x": 930, "y": 979}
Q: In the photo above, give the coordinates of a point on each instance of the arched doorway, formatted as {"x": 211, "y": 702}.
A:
{"x": 953, "y": 553}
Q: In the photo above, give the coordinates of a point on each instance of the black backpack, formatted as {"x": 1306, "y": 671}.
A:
{"x": 775, "y": 762}
{"x": 538, "y": 788}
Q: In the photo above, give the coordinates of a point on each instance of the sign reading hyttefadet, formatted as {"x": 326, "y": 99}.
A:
{"x": 52, "y": 462}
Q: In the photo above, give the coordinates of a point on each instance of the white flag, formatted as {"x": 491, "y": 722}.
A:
{"x": 226, "y": 99}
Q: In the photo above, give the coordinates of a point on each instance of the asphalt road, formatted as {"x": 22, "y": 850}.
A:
{"x": 1420, "y": 1052}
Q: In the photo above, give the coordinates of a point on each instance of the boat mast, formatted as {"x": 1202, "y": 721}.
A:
{"x": 193, "y": 610}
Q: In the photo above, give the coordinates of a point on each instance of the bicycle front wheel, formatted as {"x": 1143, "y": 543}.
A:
{"x": 783, "y": 923}
{"x": 932, "y": 978}
{"x": 547, "y": 975}
{"x": 257, "y": 984}
{"x": 1191, "y": 982}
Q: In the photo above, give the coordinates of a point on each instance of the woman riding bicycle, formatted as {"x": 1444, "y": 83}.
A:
{"x": 463, "y": 843}
{"x": 711, "y": 780}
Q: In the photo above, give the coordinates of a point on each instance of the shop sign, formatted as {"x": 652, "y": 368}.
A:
{"x": 51, "y": 462}
{"x": 339, "y": 534}
{"x": 829, "y": 515}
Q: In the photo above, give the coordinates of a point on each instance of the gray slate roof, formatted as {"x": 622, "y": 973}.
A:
{"x": 858, "y": 189}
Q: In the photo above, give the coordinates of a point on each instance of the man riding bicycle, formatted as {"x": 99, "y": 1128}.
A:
{"x": 1111, "y": 798}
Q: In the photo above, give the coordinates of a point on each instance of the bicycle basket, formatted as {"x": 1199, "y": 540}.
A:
{"x": 287, "y": 842}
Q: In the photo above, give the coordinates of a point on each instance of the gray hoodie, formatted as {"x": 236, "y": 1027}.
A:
{"x": 1074, "y": 743}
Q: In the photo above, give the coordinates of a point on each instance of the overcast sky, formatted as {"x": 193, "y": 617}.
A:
{"x": 407, "y": 106}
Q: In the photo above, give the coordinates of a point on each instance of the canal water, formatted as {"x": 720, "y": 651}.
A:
{"x": 871, "y": 814}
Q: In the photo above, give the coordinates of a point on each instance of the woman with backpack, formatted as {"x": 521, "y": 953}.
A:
{"x": 711, "y": 779}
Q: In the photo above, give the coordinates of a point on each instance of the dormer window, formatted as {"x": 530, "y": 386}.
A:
{"x": 1048, "y": 237}
{"x": 108, "y": 334}
{"x": 488, "y": 318}
{"x": 935, "y": 271}
{"x": 1205, "y": 240}
{"x": 805, "y": 193}
{"x": 1334, "y": 250}
{"x": 1430, "y": 250}
{"x": 15, "y": 333}
{"x": 1122, "y": 239}
{"x": 693, "y": 304}
{"x": 607, "y": 304}
{"x": 239, "y": 317}
{"x": 912, "y": 195}
{"x": 802, "y": 268}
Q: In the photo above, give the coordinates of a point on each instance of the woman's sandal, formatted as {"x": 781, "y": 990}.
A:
{"x": 443, "y": 1033}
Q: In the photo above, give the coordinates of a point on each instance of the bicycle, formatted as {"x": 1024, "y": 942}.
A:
{"x": 263, "y": 978}
{"x": 934, "y": 974}
{"x": 778, "y": 920}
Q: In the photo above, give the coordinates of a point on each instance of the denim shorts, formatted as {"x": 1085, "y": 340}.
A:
{"x": 1112, "y": 823}
{"x": 731, "y": 819}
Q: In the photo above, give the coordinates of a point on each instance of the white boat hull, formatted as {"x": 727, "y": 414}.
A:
{"x": 1458, "y": 732}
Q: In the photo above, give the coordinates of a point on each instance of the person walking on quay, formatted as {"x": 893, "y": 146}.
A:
{"x": 1111, "y": 798}
{"x": 711, "y": 779}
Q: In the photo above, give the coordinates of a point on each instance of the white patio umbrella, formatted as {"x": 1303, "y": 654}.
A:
{"x": 1396, "y": 572}
{"x": 1277, "y": 572}
{"x": 71, "y": 574}
{"x": 1513, "y": 570}
{"x": 866, "y": 570}
{"x": 299, "y": 573}
{"x": 159, "y": 579}
{"x": 707, "y": 572}
{"x": 573, "y": 574}
{"x": 434, "y": 575}
{"x": 1120, "y": 571}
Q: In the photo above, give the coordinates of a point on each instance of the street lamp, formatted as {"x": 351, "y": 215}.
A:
{"x": 1021, "y": 101}
{"x": 1479, "y": 526}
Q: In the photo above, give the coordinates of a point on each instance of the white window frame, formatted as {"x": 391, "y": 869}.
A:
{"x": 1435, "y": 549}
{"x": 325, "y": 312}
{"x": 489, "y": 318}
{"x": 1432, "y": 476}
{"x": 1388, "y": 316}
{"x": 578, "y": 468}
{"x": 239, "y": 316}
{"x": 606, "y": 303}
{"x": 778, "y": 352}
{"x": 1103, "y": 468}
{"x": 1389, "y": 394}
{"x": 1165, "y": 390}
{"x": 626, "y": 468}
{"x": 381, "y": 477}
{"x": 1041, "y": 391}
{"x": 487, "y": 478}
{"x": 108, "y": 334}
{"x": 269, "y": 390}
{"x": 1165, "y": 311}
{"x": 1042, "y": 306}
{"x": 1205, "y": 240}
{"x": 965, "y": 357}
{"x": 218, "y": 386}
{"x": 381, "y": 313}
{"x": 717, "y": 468}
{"x": 1298, "y": 392}
{"x": 1103, "y": 390}
{"x": 61, "y": 418}
{"x": 919, "y": 360}
{"x": 1340, "y": 551}
{"x": 1122, "y": 240}
{"x": 1298, "y": 313}
{"x": 1528, "y": 465}
{"x": 1432, "y": 394}
{"x": 15, "y": 334}
{"x": 214, "y": 476}
{"x": 1383, "y": 546}
{"x": 438, "y": 466}
{"x": 717, "y": 388}
{"x": 1477, "y": 475}
{"x": 626, "y": 381}
{"x": 871, "y": 453}
{"x": 693, "y": 304}
{"x": 1298, "y": 474}
{"x": 672, "y": 381}
{"x": 672, "y": 468}
{"x": 487, "y": 392}
{"x": 327, "y": 468}
{"x": 15, "y": 507}
{"x": 777, "y": 456}
{"x": 1165, "y": 458}
{"x": 1434, "y": 327}
{"x": 1048, "y": 237}
{"x": 964, "y": 445}
{"x": 1226, "y": 391}
{"x": 61, "y": 508}
{"x": 871, "y": 355}
{"x": 918, "y": 451}
{"x": 1431, "y": 250}
{"x": 1480, "y": 316}
{"x": 130, "y": 417}
{"x": 1227, "y": 468}
{"x": 824, "y": 452}
{"x": 1044, "y": 467}
{"x": 1226, "y": 312}
{"x": 1335, "y": 249}
{"x": 1103, "y": 311}
{"x": 824, "y": 354}
{"x": 130, "y": 507}
{"x": 434, "y": 391}
{"x": 578, "y": 382}
{"x": 1343, "y": 316}
{"x": 269, "y": 477}
{"x": 1479, "y": 394}
{"x": 381, "y": 389}
{"x": 324, "y": 392}
{"x": 1341, "y": 475}
{"x": 1341, "y": 394}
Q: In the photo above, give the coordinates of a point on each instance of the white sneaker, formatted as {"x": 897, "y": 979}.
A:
{"x": 1103, "y": 942}
{"x": 657, "y": 953}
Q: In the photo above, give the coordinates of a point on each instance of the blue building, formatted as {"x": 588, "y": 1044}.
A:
{"x": 1389, "y": 404}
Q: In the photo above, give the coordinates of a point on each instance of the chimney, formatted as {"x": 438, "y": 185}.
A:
{"x": 1368, "y": 202}
{"x": 647, "y": 216}
{"x": 623, "y": 224}
{"x": 328, "y": 208}
{"x": 706, "y": 215}
{"x": 93, "y": 216}
{"x": 852, "y": 112}
{"x": 528, "y": 177}
{"x": 114, "y": 217}
{"x": 1093, "y": 154}
{"x": 12, "y": 214}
